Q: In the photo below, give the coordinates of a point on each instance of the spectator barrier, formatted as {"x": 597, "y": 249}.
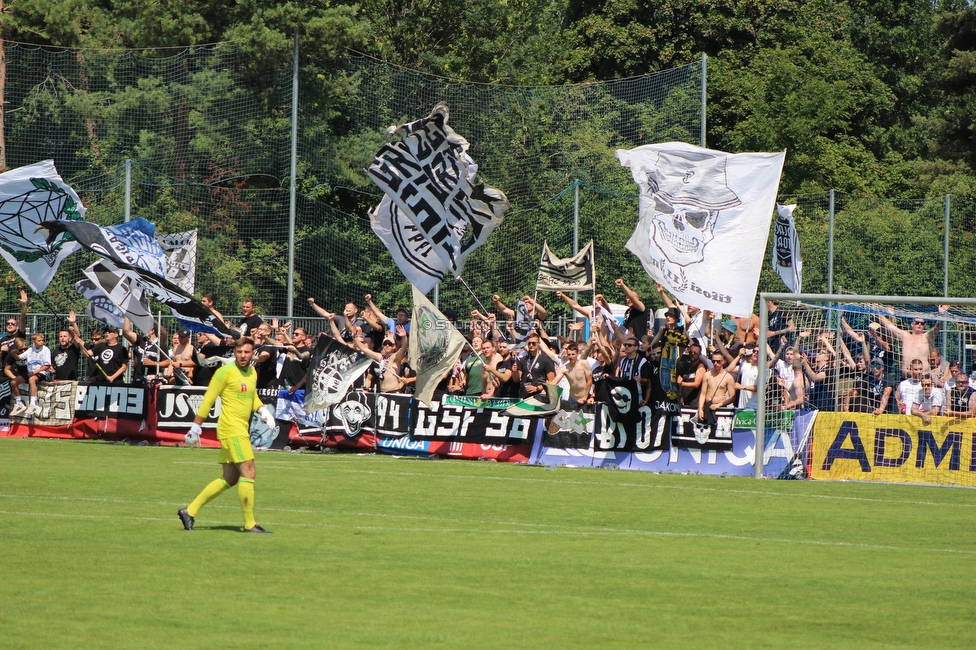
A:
{"x": 452, "y": 427}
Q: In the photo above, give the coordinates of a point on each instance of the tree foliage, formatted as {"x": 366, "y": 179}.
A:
{"x": 873, "y": 98}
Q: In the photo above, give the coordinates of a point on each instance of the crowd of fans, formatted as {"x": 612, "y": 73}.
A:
{"x": 677, "y": 355}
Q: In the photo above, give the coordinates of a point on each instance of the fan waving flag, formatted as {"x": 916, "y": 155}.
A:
{"x": 434, "y": 346}
{"x": 132, "y": 249}
{"x": 576, "y": 273}
{"x": 704, "y": 220}
{"x": 786, "y": 252}
{"x": 125, "y": 294}
{"x": 333, "y": 369}
{"x": 28, "y": 196}
{"x": 430, "y": 178}
{"x": 99, "y": 306}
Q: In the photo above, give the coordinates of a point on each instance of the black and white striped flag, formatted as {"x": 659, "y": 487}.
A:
{"x": 430, "y": 181}
{"x": 575, "y": 273}
{"x": 786, "y": 251}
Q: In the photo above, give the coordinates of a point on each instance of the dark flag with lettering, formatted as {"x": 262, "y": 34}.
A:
{"x": 333, "y": 369}
{"x": 786, "y": 253}
{"x": 622, "y": 424}
{"x": 575, "y": 273}
{"x": 430, "y": 180}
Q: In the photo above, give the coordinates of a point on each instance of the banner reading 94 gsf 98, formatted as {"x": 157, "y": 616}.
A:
{"x": 894, "y": 448}
{"x": 443, "y": 421}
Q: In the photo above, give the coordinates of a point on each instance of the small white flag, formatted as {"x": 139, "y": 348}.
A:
{"x": 575, "y": 273}
{"x": 786, "y": 249}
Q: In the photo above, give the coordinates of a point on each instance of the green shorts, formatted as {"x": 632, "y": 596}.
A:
{"x": 235, "y": 450}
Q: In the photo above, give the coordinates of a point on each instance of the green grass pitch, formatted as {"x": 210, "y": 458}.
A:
{"x": 376, "y": 551}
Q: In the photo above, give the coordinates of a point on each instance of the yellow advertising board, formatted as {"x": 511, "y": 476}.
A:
{"x": 894, "y": 448}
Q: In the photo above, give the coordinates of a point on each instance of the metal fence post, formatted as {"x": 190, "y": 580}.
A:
{"x": 945, "y": 263}
{"x": 704, "y": 86}
{"x": 293, "y": 197}
{"x": 576, "y": 185}
{"x": 761, "y": 386}
{"x": 830, "y": 246}
{"x": 128, "y": 189}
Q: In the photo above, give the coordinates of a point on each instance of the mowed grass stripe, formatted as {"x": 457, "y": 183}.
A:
{"x": 624, "y": 483}
{"x": 504, "y": 531}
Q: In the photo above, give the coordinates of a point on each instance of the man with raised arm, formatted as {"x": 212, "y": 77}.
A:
{"x": 236, "y": 385}
{"x": 914, "y": 342}
{"x": 635, "y": 318}
{"x": 14, "y": 330}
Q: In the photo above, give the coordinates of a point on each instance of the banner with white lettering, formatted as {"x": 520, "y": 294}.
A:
{"x": 358, "y": 412}
{"x": 176, "y": 406}
{"x": 622, "y": 424}
{"x": 441, "y": 421}
{"x": 692, "y": 433}
{"x": 55, "y": 404}
{"x": 110, "y": 401}
{"x": 704, "y": 220}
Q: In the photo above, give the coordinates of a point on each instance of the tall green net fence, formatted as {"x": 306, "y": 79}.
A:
{"x": 208, "y": 142}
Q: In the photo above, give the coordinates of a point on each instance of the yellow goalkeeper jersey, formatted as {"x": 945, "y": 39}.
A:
{"x": 238, "y": 394}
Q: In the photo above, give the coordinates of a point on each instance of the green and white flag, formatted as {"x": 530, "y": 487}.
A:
{"x": 435, "y": 345}
{"x": 28, "y": 196}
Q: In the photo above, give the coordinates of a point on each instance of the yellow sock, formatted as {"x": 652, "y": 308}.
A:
{"x": 245, "y": 490}
{"x": 214, "y": 489}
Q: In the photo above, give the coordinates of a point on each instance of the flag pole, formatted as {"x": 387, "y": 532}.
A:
{"x": 461, "y": 280}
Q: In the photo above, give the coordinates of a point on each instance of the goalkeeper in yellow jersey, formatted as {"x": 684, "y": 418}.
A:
{"x": 236, "y": 385}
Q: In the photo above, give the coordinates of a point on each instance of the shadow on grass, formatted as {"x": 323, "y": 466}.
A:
{"x": 235, "y": 529}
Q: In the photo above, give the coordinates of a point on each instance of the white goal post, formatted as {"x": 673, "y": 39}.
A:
{"x": 957, "y": 316}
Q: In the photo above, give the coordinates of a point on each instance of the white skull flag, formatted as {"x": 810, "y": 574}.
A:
{"x": 28, "y": 196}
{"x": 704, "y": 220}
{"x": 430, "y": 178}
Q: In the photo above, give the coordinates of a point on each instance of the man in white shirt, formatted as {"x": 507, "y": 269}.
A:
{"x": 748, "y": 378}
{"x": 39, "y": 369}
{"x": 910, "y": 387}
{"x": 928, "y": 401}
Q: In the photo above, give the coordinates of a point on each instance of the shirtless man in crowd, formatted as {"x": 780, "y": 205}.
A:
{"x": 718, "y": 389}
{"x": 914, "y": 342}
{"x": 577, "y": 373}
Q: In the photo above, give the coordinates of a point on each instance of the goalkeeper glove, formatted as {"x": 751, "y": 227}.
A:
{"x": 267, "y": 417}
